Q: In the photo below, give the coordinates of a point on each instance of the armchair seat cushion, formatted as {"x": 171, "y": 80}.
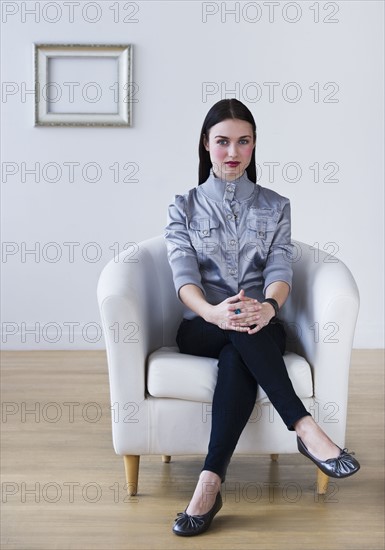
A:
{"x": 173, "y": 375}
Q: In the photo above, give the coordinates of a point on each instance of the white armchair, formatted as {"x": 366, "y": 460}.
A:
{"x": 156, "y": 391}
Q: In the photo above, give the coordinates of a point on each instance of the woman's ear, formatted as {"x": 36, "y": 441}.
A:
{"x": 205, "y": 143}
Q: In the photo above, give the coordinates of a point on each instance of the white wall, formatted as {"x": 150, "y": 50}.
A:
{"x": 176, "y": 54}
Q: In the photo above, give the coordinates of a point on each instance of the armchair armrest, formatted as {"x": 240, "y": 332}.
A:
{"x": 135, "y": 296}
{"x": 320, "y": 317}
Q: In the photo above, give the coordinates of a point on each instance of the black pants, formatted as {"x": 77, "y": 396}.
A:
{"x": 244, "y": 361}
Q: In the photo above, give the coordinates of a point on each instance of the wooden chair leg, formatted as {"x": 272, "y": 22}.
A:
{"x": 131, "y": 466}
{"x": 166, "y": 458}
{"x": 274, "y": 457}
{"x": 322, "y": 482}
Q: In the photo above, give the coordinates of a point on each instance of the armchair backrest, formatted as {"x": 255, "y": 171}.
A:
{"x": 320, "y": 281}
{"x": 165, "y": 313}
{"x": 324, "y": 301}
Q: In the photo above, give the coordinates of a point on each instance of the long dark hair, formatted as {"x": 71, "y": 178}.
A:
{"x": 222, "y": 110}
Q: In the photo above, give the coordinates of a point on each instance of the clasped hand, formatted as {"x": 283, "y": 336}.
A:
{"x": 253, "y": 315}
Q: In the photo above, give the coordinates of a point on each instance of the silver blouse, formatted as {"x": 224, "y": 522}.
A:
{"x": 224, "y": 236}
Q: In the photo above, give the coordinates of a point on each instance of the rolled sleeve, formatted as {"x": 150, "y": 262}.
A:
{"x": 278, "y": 264}
{"x": 180, "y": 252}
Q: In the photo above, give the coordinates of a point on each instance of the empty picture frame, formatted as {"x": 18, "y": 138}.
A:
{"x": 83, "y": 84}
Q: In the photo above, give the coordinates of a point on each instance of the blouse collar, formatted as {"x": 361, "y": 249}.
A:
{"x": 219, "y": 189}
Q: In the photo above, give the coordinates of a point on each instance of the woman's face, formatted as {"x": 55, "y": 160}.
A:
{"x": 230, "y": 144}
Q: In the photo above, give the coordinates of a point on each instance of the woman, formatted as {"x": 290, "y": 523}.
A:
{"x": 229, "y": 246}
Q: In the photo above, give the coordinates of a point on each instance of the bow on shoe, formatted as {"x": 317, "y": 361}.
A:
{"x": 189, "y": 523}
{"x": 188, "y": 526}
{"x": 344, "y": 465}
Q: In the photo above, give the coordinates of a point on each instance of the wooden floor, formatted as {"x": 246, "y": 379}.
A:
{"x": 62, "y": 484}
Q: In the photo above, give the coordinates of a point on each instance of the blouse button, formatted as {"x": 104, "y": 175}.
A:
{"x": 205, "y": 232}
{"x": 229, "y": 217}
{"x": 233, "y": 242}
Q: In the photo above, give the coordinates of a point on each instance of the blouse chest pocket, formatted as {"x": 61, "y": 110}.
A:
{"x": 204, "y": 234}
{"x": 261, "y": 224}
{"x": 203, "y": 228}
{"x": 257, "y": 228}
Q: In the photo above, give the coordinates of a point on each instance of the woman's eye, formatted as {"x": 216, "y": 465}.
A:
{"x": 225, "y": 142}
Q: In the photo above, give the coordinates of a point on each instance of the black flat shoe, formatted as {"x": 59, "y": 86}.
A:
{"x": 342, "y": 466}
{"x": 188, "y": 526}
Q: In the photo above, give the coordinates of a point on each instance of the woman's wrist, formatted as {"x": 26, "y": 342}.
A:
{"x": 206, "y": 311}
{"x": 273, "y": 303}
{"x": 269, "y": 307}
{"x": 192, "y": 297}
